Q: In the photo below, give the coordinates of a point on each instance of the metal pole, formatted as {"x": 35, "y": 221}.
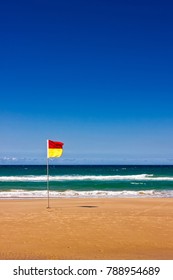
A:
{"x": 47, "y": 178}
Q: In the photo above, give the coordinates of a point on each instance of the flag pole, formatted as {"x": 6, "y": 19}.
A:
{"x": 47, "y": 178}
{"x": 54, "y": 149}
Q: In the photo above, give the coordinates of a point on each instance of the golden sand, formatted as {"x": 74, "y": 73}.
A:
{"x": 86, "y": 229}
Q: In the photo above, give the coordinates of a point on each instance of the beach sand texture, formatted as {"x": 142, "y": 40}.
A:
{"x": 85, "y": 228}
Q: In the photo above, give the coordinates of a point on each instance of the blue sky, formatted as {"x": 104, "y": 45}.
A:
{"x": 96, "y": 75}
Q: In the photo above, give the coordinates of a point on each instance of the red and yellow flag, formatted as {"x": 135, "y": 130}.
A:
{"x": 54, "y": 149}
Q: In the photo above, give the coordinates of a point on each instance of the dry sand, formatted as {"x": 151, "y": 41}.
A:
{"x": 86, "y": 229}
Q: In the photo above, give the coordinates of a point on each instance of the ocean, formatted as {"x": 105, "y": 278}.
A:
{"x": 30, "y": 181}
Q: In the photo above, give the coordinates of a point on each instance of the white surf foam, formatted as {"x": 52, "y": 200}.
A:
{"x": 20, "y": 194}
{"x": 42, "y": 178}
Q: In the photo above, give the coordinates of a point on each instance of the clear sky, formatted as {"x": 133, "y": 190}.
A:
{"x": 96, "y": 75}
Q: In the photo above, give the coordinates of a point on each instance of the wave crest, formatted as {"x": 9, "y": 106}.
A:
{"x": 20, "y": 194}
{"x": 43, "y": 178}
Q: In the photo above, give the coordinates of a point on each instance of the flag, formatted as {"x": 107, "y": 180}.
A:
{"x": 54, "y": 149}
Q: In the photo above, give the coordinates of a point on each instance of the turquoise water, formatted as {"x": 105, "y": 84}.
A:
{"x": 86, "y": 181}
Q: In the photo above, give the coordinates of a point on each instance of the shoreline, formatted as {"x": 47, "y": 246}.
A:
{"x": 96, "y": 194}
{"x": 86, "y": 228}
{"x": 142, "y": 197}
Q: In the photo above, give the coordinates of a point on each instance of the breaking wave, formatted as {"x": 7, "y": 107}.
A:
{"x": 21, "y": 194}
{"x": 43, "y": 178}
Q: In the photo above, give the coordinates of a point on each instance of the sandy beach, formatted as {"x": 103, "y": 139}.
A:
{"x": 82, "y": 229}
